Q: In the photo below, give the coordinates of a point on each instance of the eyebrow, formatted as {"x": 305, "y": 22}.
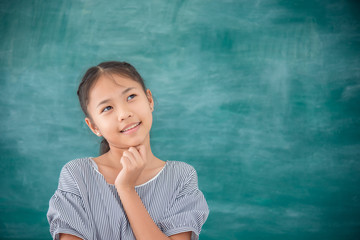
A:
{"x": 107, "y": 100}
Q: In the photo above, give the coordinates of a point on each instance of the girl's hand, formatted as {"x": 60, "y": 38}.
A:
{"x": 133, "y": 163}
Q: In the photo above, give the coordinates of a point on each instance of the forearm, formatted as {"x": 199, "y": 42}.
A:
{"x": 133, "y": 162}
{"x": 140, "y": 221}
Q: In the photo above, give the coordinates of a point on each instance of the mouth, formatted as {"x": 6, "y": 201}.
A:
{"x": 128, "y": 129}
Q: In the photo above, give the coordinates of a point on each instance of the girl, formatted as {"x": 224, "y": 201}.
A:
{"x": 126, "y": 192}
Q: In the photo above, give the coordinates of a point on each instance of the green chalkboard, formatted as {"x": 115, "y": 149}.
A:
{"x": 260, "y": 96}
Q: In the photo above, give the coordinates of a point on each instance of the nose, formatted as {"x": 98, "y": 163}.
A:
{"x": 124, "y": 114}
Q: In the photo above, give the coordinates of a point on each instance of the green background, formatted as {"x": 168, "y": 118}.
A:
{"x": 260, "y": 96}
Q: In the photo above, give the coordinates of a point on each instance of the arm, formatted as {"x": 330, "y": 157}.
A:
{"x": 141, "y": 223}
{"x": 133, "y": 162}
{"x": 66, "y": 213}
{"x": 180, "y": 236}
{"x": 64, "y": 236}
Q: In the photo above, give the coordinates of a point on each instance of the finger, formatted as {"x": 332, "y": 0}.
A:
{"x": 136, "y": 155}
{"x": 125, "y": 162}
{"x": 142, "y": 150}
{"x": 129, "y": 155}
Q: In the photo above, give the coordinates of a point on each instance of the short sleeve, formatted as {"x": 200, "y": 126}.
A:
{"x": 188, "y": 212}
{"x": 66, "y": 214}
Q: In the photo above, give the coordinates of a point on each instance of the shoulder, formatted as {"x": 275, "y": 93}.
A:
{"x": 72, "y": 174}
{"x": 75, "y": 167}
{"x": 76, "y": 163}
{"x": 181, "y": 167}
{"x": 181, "y": 171}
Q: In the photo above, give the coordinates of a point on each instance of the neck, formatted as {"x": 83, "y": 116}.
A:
{"x": 114, "y": 154}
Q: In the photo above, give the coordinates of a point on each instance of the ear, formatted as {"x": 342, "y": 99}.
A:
{"x": 150, "y": 98}
{"x": 92, "y": 127}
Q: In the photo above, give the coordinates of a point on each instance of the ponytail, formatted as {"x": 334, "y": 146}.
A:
{"x": 104, "y": 146}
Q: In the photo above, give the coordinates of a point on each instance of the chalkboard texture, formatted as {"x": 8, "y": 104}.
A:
{"x": 260, "y": 96}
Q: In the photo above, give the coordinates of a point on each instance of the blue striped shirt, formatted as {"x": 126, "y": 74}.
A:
{"x": 85, "y": 205}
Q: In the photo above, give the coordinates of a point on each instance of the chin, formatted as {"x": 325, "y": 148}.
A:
{"x": 136, "y": 142}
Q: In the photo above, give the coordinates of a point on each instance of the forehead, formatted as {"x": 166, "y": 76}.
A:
{"x": 116, "y": 80}
{"x": 108, "y": 86}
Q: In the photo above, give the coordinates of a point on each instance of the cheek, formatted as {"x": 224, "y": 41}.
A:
{"x": 150, "y": 119}
{"x": 108, "y": 128}
{"x": 105, "y": 125}
{"x": 147, "y": 116}
{"x": 142, "y": 108}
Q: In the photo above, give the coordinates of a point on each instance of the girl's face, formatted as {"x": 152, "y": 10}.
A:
{"x": 120, "y": 110}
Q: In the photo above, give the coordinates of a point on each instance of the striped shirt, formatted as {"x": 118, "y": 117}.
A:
{"x": 85, "y": 205}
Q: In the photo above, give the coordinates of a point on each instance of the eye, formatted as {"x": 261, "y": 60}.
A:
{"x": 108, "y": 108}
{"x": 131, "y": 97}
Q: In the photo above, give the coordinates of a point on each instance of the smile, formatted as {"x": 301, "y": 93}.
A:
{"x": 131, "y": 127}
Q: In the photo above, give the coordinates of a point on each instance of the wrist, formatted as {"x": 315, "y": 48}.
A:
{"x": 125, "y": 189}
